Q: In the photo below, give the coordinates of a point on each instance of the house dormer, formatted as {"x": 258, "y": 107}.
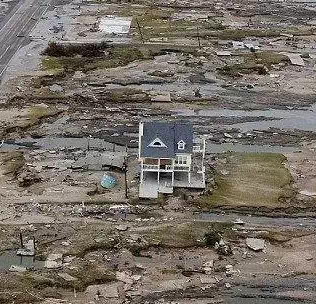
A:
{"x": 181, "y": 145}
{"x": 157, "y": 143}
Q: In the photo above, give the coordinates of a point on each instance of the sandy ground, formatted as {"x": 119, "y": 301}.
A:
{"x": 118, "y": 250}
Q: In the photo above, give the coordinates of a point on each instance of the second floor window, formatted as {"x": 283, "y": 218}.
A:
{"x": 181, "y": 160}
{"x": 181, "y": 145}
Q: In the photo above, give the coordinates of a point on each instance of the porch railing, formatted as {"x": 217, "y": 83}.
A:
{"x": 150, "y": 167}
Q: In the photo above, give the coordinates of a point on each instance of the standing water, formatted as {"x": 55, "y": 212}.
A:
{"x": 9, "y": 258}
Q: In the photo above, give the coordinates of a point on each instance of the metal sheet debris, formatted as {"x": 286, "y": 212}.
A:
{"x": 295, "y": 59}
{"x": 223, "y": 53}
{"x": 115, "y": 25}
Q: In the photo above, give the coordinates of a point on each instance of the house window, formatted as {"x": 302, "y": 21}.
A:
{"x": 181, "y": 160}
{"x": 181, "y": 145}
{"x": 157, "y": 143}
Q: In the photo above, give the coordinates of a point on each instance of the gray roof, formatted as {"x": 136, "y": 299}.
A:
{"x": 170, "y": 133}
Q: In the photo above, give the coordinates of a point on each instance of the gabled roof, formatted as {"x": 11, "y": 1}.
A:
{"x": 170, "y": 133}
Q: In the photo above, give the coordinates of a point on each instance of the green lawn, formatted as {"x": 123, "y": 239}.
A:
{"x": 251, "y": 179}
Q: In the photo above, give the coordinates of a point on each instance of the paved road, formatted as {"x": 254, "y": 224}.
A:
{"x": 284, "y": 222}
{"x": 14, "y": 32}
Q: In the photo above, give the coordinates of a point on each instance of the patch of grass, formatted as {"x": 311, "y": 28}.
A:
{"x": 96, "y": 237}
{"x": 14, "y": 289}
{"x": 37, "y": 113}
{"x": 11, "y": 162}
{"x": 182, "y": 235}
{"x": 257, "y": 62}
{"x": 254, "y": 179}
{"x": 237, "y": 70}
{"x": 159, "y": 23}
{"x": 90, "y": 273}
{"x": 51, "y": 63}
{"x": 115, "y": 56}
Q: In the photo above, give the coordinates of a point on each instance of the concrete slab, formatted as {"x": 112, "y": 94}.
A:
{"x": 295, "y": 59}
{"x": 149, "y": 187}
{"x": 104, "y": 290}
{"x": 95, "y": 160}
{"x": 115, "y": 25}
{"x": 181, "y": 180}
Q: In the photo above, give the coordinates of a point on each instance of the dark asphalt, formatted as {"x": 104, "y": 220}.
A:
{"x": 284, "y": 222}
{"x": 15, "y": 29}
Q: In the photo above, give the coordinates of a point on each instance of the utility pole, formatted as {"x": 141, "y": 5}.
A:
{"x": 21, "y": 240}
{"x": 125, "y": 173}
{"x": 198, "y": 36}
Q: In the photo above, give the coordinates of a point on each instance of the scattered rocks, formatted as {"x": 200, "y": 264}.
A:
{"x": 229, "y": 270}
{"x": 255, "y": 244}
{"x": 124, "y": 277}
{"x": 55, "y": 88}
{"x": 228, "y": 135}
{"x": 208, "y": 267}
{"x": 223, "y": 248}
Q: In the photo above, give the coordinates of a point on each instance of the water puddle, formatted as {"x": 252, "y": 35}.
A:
{"x": 9, "y": 258}
{"x": 304, "y": 120}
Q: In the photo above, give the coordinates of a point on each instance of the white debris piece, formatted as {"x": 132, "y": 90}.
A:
{"x": 28, "y": 250}
{"x": 295, "y": 59}
{"x": 15, "y": 268}
{"x": 238, "y": 45}
{"x": 124, "y": 277}
{"x": 239, "y": 221}
{"x": 122, "y": 227}
{"x": 286, "y": 35}
{"x": 205, "y": 279}
{"x": 54, "y": 260}
{"x": 223, "y": 53}
{"x": 227, "y": 135}
{"x": 115, "y": 25}
{"x": 208, "y": 267}
{"x": 255, "y": 244}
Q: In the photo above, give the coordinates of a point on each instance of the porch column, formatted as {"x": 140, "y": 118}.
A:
{"x": 142, "y": 172}
{"x": 189, "y": 177}
{"x": 158, "y": 170}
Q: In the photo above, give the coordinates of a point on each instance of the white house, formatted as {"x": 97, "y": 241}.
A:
{"x": 169, "y": 157}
